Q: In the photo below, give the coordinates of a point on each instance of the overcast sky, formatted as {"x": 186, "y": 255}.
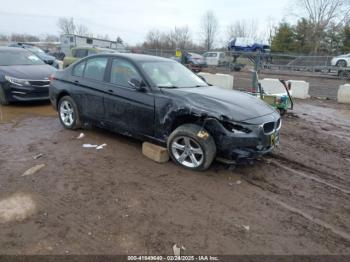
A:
{"x": 131, "y": 19}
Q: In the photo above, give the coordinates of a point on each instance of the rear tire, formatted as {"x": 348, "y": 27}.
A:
{"x": 187, "y": 149}
{"x": 3, "y": 100}
{"x": 68, "y": 113}
{"x": 344, "y": 75}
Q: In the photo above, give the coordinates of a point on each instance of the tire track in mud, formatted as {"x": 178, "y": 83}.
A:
{"x": 309, "y": 217}
{"x": 295, "y": 164}
{"x": 304, "y": 175}
{"x": 279, "y": 193}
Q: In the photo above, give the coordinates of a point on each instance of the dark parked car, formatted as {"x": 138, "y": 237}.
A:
{"x": 23, "y": 76}
{"x": 47, "y": 59}
{"x": 158, "y": 99}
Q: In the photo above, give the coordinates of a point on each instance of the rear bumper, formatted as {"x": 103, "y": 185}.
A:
{"x": 26, "y": 93}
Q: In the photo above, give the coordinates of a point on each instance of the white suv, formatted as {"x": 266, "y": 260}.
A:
{"x": 216, "y": 58}
{"x": 341, "y": 61}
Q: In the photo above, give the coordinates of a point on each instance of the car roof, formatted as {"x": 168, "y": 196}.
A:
{"x": 92, "y": 48}
{"x": 137, "y": 57}
{"x": 12, "y": 49}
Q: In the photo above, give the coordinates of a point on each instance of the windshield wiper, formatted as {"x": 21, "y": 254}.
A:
{"x": 168, "y": 86}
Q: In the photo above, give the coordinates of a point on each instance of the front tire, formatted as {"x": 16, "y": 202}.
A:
{"x": 68, "y": 113}
{"x": 3, "y": 100}
{"x": 190, "y": 150}
{"x": 341, "y": 63}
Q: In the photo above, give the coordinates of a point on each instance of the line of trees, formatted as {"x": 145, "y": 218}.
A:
{"x": 324, "y": 27}
{"x": 28, "y": 38}
{"x": 181, "y": 37}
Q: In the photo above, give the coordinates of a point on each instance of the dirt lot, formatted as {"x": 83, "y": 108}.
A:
{"x": 116, "y": 201}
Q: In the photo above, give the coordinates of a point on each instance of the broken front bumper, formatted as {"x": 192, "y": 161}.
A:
{"x": 255, "y": 140}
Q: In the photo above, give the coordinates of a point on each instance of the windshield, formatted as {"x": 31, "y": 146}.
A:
{"x": 9, "y": 58}
{"x": 171, "y": 74}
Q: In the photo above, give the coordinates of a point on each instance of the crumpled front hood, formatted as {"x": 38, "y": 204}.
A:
{"x": 235, "y": 105}
{"x": 30, "y": 72}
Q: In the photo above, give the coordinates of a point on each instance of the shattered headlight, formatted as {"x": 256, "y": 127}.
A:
{"x": 236, "y": 128}
{"x": 17, "y": 81}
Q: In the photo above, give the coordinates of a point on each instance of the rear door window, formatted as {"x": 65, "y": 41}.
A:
{"x": 95, "y": 68}
{"x": 78, "y": 70}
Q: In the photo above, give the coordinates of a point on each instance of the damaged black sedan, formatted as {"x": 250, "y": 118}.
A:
{"x": 161, "y": 101}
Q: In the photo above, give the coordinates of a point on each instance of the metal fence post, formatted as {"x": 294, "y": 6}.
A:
{"x": 256, "y": 70}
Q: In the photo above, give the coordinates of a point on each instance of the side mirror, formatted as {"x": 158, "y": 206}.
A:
{"x": 137, "y": 84}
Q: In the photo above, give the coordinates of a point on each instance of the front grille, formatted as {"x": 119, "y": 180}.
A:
{"x": 269, "y": 127}
{"x": 39, "y": 83}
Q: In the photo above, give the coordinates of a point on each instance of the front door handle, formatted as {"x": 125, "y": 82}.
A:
{"x": 76, "y": 82}
{"x": 110, "y": 91}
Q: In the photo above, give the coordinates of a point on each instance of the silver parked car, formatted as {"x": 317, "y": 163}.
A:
{"x": 341, "y": 61}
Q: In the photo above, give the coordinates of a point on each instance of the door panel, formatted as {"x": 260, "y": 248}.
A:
{"x": 91, "y": 87}
{"x": 128, "y": 109}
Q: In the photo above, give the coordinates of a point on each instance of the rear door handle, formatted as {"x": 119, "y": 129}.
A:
{"x": 110, "y": 91}
{"x": 76, "y": 82}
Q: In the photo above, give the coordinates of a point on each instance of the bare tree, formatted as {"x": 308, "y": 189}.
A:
{"x": 66, "y": 25}
{"x": 270, "y": 29}
{"x": 153, "y": 39}
{"x": 82, "y": 30}
{"x": 322, "y": 14}
{"x": 119, "y": 40}
{"x": 178, "y": 38}
{"x": 4, "y": 37}
{"x": 243, "y": 28}
{"x": 51, "y": 38}
{"x": 209, "y": 29}
{"x": 24, "y": 38}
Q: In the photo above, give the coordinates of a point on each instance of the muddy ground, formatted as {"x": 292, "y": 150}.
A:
{"x": 116, "y": 201}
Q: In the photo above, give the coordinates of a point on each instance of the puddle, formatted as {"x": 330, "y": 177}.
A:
{"x": 16, "y": 208}
{"x": 13, "y": 112}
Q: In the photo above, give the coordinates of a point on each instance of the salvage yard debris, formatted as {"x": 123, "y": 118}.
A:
{"x": 101, "y": 146}
{"x": 33, "y": 170}
{"x": 154, "y": 152}
{"x": 177, "y": 250}
{"x": 94, "y": 146}
{"x": 246, "y": 227}
{"x": 81, "y": 136}
{"x": 203, "y": 134}
{"x": 89, "y": 145}
{"x": 38, "y": 156}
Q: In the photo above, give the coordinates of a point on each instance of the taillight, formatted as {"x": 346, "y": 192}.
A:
{"x": 52, "y": 77}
